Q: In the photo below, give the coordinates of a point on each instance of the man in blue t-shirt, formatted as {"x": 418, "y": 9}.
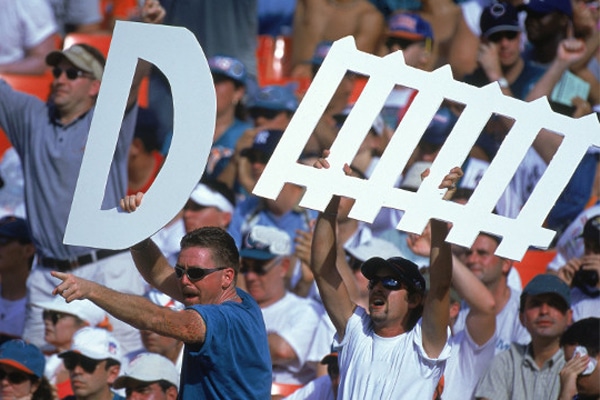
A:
{"x": 226, "y": 354}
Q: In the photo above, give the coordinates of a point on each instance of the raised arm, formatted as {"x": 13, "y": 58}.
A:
{"x": 437, "y": 302}
{"x": 481, "y": 320}
{"x": 187, "y": 325}
{"x": 332, "y": 288}
{"x": 149, "y": 260}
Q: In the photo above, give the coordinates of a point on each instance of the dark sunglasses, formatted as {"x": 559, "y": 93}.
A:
{"x": 498, "y": 36}
{"x": 72, "y": 73}
{"x": 195, "y": 274}
{"x": 387, "y": 282}
{"x": 89, "y": 365}
{"x": 14, "y": 377}
{"x": 4, "y": 240}
{"x": 267, "y": 113}
{"x": 257, "y": 266}
{"x": 54, "y": 316}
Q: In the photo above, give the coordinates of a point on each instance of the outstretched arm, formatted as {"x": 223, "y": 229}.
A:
{"x": 437, "y": 303}
{"x": 187, "y": 325}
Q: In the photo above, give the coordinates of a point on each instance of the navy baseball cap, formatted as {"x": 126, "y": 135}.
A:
{"x": 397, "y": 267}
{"x": 409, "y": 26}
{"x": 23, "y": 356}
{"x": 275, "y": 97}
{"x": 440, "y": 127}
{"x": 549, "y": 6}
{"x": 230, "y": 67}
{"x": 321, "y": 52}
{"x": 15, "y": 228}
{"x": 265, "y": 243}
{"x": 591, "y": 229}
{"x": 499, "y": 17}
{"x": 546, "y": 283}
{"x": 264, "y": 142}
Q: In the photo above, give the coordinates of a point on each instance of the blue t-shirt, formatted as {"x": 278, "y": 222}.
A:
{"x": 223, "y": 148}
{"x": 520, "y": 88}
{"x": 234, "y": 361}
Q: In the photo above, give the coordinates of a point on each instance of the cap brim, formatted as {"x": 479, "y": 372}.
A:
{"x": 407, "y": 35}
{"x": 256, "y": 254}
{"x": 374, "y": 264}
{"x": 16, "y": 365}
{"x": 501, "y": 28}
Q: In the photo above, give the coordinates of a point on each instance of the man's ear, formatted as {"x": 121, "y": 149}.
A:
{"x": 171, "y": 393}
{"x": 113, "y": 373}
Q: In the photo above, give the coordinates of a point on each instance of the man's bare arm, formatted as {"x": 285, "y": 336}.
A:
{"x": 187, "y": 325}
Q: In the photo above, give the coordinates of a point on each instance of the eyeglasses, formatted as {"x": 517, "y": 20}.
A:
{"x": 267, "y": 113}
{"x": 89, "y": 365}
{"x": 195, "y": 274}
{"x": 14, "y": 377}
{"x": 257, "y": 266}
{"x": 54, "y": 316}
{"x": 498, "y": 36}
{"x": 387, "y": 282}
{"x": 257, "y": 156}
{"x": 72, "y": 73}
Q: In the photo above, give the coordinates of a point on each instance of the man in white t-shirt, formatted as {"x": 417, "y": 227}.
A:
{"x": 400, "y": 347}
{"x": 298, "y": 338}
{"x": 493, "y": 271}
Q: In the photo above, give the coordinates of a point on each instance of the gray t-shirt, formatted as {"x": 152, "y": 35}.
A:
{"x": 51, "y": 156}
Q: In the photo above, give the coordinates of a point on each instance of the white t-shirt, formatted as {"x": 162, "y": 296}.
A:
{"x": 374, "y": 367}
{"x": 317, "y": 389}
{"x": 584, "y": 306}
{"x": 570, "y": 245}
{"x": 299, "y": 322}
{"x": 508, "y": 326}
{"x": 23, "y": 25}
{"x": 466, "y": 365}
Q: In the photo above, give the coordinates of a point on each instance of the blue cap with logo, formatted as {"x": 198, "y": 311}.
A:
{"x": 230, "y": 67}
{"x": 499, "y": 17}
{"x": 275, "y": 97}
{"x": 265, "y": 243}
{"x": 23, "y": 356}
{"x": 440, "y": 127}
{"x": 265, "y": 142}
{"x": 409, "y": 26}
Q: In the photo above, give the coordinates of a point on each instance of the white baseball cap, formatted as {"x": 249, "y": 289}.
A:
{"x": 375, "y": 247}
{"x": 85, "y": 310}
{"x": 163, "y": 300}
{"x": 95, "y": 343}
{"x": 209, "y": 197}
{"x": 148, "y": 367}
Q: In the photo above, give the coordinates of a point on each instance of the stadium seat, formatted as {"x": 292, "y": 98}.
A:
{"x": 283, "y": 389}
{"x": 534, "y": 263}
{"x": 99, "y": 40}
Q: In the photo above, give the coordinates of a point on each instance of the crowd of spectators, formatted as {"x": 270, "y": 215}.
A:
{"x": 240, "y": 296}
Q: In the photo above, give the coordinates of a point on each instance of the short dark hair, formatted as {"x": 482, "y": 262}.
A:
{"x": 586, "y": 333}
{"x": 165, "y": 385}
{"x": 220, "y": 243}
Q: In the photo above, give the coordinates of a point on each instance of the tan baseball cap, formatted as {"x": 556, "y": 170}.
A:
{"x": 80, "y": 57}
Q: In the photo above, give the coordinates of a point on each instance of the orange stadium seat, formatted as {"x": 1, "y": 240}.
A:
{"x": 533, "y": 263}
{"x": 99, "y": 40}
{"x": 283, "y": 389}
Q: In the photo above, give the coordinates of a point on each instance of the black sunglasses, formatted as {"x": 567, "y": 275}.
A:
{"x": 14, "y": 377}
{"x": 72, "y": 73}
{"x": 195, "y": 274}
{"x": 54, "y": 316}
{"x": 257, "y": 156}
{"x": 267, "y": 113}
{"x": 257, "y": 266}
{"x": 387, "y": 282}
{"x": 89, "y": 365}
{"x": 498, "y": 36}
{"x": 4, "y": 240}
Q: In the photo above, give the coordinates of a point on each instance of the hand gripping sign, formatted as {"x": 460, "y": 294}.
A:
{"x": 176, "y": 52}
{"x": 379, "y": 191}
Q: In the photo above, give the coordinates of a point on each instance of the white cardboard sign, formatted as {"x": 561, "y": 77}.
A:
{"x": 379, "y": 191}
{"x": 176, "y": 52}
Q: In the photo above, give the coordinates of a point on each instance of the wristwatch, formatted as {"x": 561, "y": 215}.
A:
{"x": 503, "y": 83}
